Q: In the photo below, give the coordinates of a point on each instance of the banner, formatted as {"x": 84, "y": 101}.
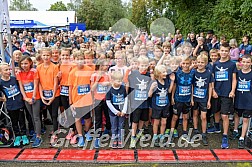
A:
{"x": 4, "y": 17}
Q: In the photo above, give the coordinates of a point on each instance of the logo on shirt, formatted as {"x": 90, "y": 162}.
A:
{"x": 142, "y": 84}
{"x": 183, "y": 81}
{"x": 222, "y": 74}
{"x": 243, "y": 85}
{"x": 200, "y": 82}
{"x": 162, "y": 92}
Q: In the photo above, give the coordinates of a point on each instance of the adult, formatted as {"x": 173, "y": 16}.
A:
{"x": 39, "y": 43}
{"x": 192, "y": 40}
{"x": 234, "y": 51}
{"x": 245, "y": 47}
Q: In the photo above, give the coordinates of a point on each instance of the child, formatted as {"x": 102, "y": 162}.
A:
{"x": 14, "y": 104}
{"x": 160, "y": 102}
{"x": 48, "y": 88}
{"x": 137, "y": 86}
{"x": 80, "y": 97}
{"x": 100, "y": 81}
{"x": 17, "y": 54}
{"x": 89, "y": 57}
{"x": 182, "y": 94}
{"x": 202, "y": 93}
{"x": 224, "y": 72}
{"x": 243, "y": 98}
{"x": 117, "y": 101}
{"x": 65, "y": 68}
{"x": 28, "y": 83}
{"x": 55, "y": 59}
{"x": 120, "y": 63}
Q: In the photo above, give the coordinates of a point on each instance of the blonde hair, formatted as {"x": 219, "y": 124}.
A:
{"x": 46, "y": 50}
{"x": 203, "y": 57}
{"x": 17, "y": 52}
{"x": 78, "y": 54}
{"x": 117, "y": 75}
{"x": 143, "y": 59}
{"x": 158, "y": 69}
{"x": 186, "y": 58}
{"x": 233, "y": 42}
{"x": 2, "y": 65}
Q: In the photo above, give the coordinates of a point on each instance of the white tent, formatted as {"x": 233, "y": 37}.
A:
{"x": 51, "y": 18}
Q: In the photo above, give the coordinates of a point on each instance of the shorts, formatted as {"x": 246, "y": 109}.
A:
{"x": 223, "y": 104}
{"x": 201, "y": 106}
{"x": 83, "y": 112}
{"x": 244, "y": 113}
{"x": 158, "y": 114}
{"x": 140, "y": 114}
{"x": 181, "y": 107}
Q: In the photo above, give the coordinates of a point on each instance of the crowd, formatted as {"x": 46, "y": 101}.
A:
{"x": 107, "y": 79}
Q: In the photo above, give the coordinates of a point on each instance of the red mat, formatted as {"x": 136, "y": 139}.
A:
{"x": 195, "y": 155}
{"x": 116, "y": 155}
{"x": 155, "y": 156}
{"x": 233, "y": 155}
{"x": 37, "y": 154}
{"x": 9, "y": 153}
{"x": 76, "y": 155}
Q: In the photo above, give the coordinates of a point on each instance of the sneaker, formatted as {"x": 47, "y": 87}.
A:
{"x": 32, "y": 140}
{"x": 81, "y": 141}
{"x": 167, "y": 131}
{"x": 133, "y": 142}
{"x": 114, "y": 145}
{"x": 119, "y": 144}
{"x": 241, "y": 144}
{"x": 106, "y": 132}
{"x": 88, "y": 137}
{"x": 224, "y": 144}
{"x": 17, "y": 141}
{"x": 196, "y": 131}
{"x": 213, "y": 130}
{"x": 53, "y": 140}
{"x": 140, "y": 135}
{"x": 97, "y": 143}
{"x": 25, "y": 140}
{"x": 156, "y": 142}
{"x": 37, "y": 142}
{"x": 31, "y": 133}
{"x": 43, "y": 131}
{"x": 73, "y": 140}
{"x": 235, "y": 135}
{"x": 204, "y": 140}
{"x": 69, "y": 136}
{"x": 175, "y": 133}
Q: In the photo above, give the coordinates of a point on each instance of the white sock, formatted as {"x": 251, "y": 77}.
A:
{"x": 241, "y": 138}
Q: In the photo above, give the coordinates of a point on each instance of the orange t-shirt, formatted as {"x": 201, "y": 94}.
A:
{"x": 100, "y": 91}
{"x": 27, "y": 79}
{"x": 46, "y": 79}
{"x": 65, "y": 70}
{"x": 79, "y": 80}
{"x": 92, "y": 66}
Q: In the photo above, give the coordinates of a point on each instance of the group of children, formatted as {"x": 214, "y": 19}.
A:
{"x": 64, "y": 81}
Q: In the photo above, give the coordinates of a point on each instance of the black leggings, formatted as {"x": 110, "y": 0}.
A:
{"x": 65, "y": 103}
{"x": 99, "y": 107}
{"x": 53, "y": 110}
{"x": 18, "y": 121}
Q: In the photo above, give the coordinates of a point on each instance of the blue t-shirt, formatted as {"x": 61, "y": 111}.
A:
{"x": 243, "y": 94}
{"x": 139, "y": 85}
{"x": 117, "y": 98}
{"x": 12, "y": 93}
{"x": 200, "y": 86}
{"x": 183, "y": 86}
{"x": 223, "y": 75}
{"x": 209, "y": 67}
{"x": 160, "y": 99}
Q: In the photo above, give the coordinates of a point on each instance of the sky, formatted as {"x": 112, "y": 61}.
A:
{"x": 43, "y": 5}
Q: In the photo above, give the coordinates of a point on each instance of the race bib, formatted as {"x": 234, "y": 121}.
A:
{"x": 221, "y": 75}
{"x": 48, "y": 93}
{"x": 29, "y": 87}
{"x": 141, "y": 95}
{"x": 64, "y": 91}
{"x": 12, "y": 91}
{"x": 243, "y": 86}
{"x": 161, "y": 101}
{"x": 184, "y": 90}
{"x": 101, "y": 89}
{"x": 118, "y": 99}
{"x": 199, "y": 93}
{"x": 83, "y": 89}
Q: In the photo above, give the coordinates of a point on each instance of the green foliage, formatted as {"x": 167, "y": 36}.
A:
{"x": 21, "y": 5}
{"x": 58, "y": 6}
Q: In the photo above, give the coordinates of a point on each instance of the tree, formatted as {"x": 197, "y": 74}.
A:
{"x": 74, "y": 5}
{"x": 58, "y": 6}
{"x": 139, "y": 14}
{"x": 21, "y": 5}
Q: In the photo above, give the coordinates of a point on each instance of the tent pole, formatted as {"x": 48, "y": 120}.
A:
{"x": 2, "y": 47}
